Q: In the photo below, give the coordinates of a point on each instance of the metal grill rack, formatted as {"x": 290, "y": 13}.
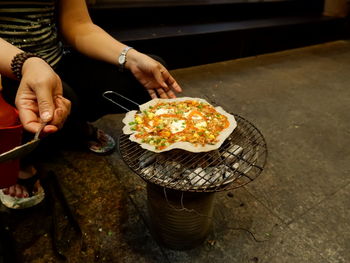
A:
{"x": 181, "y": 185}
{"x": 238, "y": 161}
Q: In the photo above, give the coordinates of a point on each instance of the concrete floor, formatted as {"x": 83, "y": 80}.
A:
{"x": 297, "y": 210}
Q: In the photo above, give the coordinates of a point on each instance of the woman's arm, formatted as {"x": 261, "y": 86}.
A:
{"x": 82, "y": 34}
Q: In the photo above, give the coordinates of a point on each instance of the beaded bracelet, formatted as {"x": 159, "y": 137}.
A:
{"x": 18, "y": 61}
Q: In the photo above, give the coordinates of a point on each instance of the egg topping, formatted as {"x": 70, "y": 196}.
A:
{"x": 185, "y": 121}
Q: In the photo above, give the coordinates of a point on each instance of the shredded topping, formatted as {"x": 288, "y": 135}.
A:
{"x": 187, "y": 121}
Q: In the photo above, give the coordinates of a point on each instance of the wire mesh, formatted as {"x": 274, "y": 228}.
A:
{"x": 238, "y": 161}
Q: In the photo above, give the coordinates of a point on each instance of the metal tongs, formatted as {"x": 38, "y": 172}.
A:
{"x": 106, "y": 93}
{"x": 24, "y": 149}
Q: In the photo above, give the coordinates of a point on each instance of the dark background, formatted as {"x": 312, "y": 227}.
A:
{"x": 188, "y": 33}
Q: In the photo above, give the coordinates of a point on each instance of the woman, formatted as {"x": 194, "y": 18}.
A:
{"x": 52, "y": 84}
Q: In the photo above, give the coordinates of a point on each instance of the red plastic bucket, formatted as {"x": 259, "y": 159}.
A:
{"x": 10, "y": 137}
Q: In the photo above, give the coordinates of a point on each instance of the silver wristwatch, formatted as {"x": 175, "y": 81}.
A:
{"x": 122, "y": 58}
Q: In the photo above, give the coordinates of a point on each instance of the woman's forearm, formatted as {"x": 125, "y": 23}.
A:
{"x": 79, "y": 31}
{"x": 7, "y": 52}
{"x": 96, "y": 43}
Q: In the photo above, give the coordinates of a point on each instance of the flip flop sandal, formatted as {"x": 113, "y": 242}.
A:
{"x": 35, "y": 197}
{"x": 100, "y": 142}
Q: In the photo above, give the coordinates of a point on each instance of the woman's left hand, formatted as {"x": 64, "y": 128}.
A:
{"x": 152, "y": 75}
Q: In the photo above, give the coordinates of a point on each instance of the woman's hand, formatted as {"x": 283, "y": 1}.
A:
{"x": 152, "y": 75}
{"x": 39, "y": 97}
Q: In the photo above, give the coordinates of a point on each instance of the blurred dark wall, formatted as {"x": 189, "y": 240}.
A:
{"x": 196, "y": 33}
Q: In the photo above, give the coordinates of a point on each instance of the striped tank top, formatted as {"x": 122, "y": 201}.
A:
{"x": 31, "y": 26}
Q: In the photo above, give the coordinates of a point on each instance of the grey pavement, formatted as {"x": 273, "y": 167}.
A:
{"x": 297, "y": 210}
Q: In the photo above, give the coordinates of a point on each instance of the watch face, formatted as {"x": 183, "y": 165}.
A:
{"x": 121, "y": 59}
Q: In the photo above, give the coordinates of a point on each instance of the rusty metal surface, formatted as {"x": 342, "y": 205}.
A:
{"x": 179, "y": 220}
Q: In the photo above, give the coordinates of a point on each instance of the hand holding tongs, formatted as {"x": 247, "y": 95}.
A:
{"x": 22, "y": 150}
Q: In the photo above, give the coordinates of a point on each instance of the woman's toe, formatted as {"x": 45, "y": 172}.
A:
{"x": 12, "y": 190}
{"x": 6, "y": 191}
{"x": 18, "y": 191}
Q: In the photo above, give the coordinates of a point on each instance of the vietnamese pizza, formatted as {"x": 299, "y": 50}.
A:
{"x": 186, "y": 123}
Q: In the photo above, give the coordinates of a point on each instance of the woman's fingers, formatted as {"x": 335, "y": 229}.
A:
{"x": 63, "y": 103}
{"x": 160, "y": 76}
{"x": 152, "y": 93}
{"x": 29, "y": 120}
{"x": 173, "y": 84}
{"x": 162, "y": 93}
{"x": 167, "y": 83}
{"x": 61, "y": 112}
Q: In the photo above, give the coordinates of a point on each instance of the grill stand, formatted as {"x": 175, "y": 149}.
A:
{"x": 181, "y": 211}
{"x": 179, "y": 220}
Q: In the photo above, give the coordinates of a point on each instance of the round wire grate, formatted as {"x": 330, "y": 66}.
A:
{"x": 239, "y": 160}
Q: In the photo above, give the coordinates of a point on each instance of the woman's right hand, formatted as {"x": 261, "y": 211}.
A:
{"x": 40, "y": 97}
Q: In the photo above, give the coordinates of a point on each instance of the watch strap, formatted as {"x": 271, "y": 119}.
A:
{"x": 122, "y": 58}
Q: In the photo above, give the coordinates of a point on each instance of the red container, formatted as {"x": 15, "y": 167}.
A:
{"x": 10, "y": 136}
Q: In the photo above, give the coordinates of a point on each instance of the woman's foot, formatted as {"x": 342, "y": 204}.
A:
{"x": 18, "y": 190}
{"x": 98, "y": 141}
{"x": 26, "y": 193}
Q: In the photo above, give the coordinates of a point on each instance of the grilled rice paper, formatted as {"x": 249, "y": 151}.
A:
{"x": 191, "y": 124}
